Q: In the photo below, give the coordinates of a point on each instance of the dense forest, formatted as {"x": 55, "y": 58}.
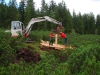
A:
{"x": 20, "y": 58}
{"x": 82, "y": 24}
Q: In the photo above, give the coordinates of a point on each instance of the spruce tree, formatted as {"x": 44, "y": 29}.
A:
{"x": 43, "y": 12}
{"x": 92, "y": 23}
{"x": 12, "y": 10}
{"x": 3, "y": 14}
{"x": 29, "y": 11}
{"x": 98, "y": 23}
{"x": 21, "y": 11}
{"x": 86, "y": 23}
{"x": 65, "y": 17}
{"x": 52, "y": 13}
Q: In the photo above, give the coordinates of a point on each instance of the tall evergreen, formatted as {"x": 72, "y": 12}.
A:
{"x": 92, "y": 23}
{"x": 2, "y": 11}
{"x": 98, "y": 23}
{"x": 89, "y": 23}
{"x": 43, "y": 12}
{"x": 12, "y": 11}
{"x": 52, "y": 13}
{"x": 21, "y": 11}
{"x": 81, "y": 24}
{"x": 65, "y": 17}
{"x": 78, "y": 23}
{"x": 29, "y": 11}
{"x": 74, "y": 17}
{"x": 52, "y": 5}
{"x": 86, "y": 23}
{"x": 6, "y": 18}
{"x": 44, "y": 8}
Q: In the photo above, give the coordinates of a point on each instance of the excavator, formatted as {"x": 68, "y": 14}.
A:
{"x": 18, "y": 28}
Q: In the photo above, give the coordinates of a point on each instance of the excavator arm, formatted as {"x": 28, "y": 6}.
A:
{"x": 39, "y": 19}
{"x": 18, "y": 28}
{"x": 52, "y": 20}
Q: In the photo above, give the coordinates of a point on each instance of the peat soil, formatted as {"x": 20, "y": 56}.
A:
{"x": 27, "y": 55}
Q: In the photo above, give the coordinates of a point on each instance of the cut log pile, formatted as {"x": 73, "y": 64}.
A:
{"x": 56, "y": 46}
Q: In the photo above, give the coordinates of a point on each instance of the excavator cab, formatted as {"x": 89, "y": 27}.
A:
{"x": 17, "y": 28}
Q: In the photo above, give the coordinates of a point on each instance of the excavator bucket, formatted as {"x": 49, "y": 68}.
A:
{"x": 58, "y": 30}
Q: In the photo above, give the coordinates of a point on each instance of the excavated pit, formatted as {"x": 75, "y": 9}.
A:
{"x": 27, "y": 55}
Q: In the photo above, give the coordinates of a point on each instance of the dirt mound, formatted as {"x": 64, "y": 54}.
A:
{"x": 28, "y": 56}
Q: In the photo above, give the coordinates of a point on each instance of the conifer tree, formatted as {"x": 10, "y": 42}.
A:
{"x": 78, "y": 23}
{"x": 29, "y": 11}
{"x": 12, "y": 7}
{"x": 86, "y": 23}
{"x": 52, "y": 13}
{"x": 92, "y": 23}
{"x": 3, "y": 14}
{"x": 65, "y": 17}
{"x": 21, "y": 11}
{"x": 43, "y": 12}
{"x": 98, "y": 24}
{"x": 44, "y": 8}
{"x": 89, "y": 23}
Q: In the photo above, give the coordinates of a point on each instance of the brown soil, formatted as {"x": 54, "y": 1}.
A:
{"x": 27, "y": 55}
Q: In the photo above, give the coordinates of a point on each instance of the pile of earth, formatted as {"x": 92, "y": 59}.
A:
{"x": 27, "y": 55}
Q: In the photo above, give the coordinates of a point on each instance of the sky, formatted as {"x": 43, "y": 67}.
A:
{"x": 82, "y": 6}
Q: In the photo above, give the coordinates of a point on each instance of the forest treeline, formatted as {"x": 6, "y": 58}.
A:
{"x": 85, "y": 23}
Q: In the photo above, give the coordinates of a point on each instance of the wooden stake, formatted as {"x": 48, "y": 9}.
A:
{"x": 56, "y": 38}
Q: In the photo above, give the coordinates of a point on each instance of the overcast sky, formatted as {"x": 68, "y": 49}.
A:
{"x": 83, "y": 6}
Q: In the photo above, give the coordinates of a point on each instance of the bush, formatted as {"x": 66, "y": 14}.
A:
{"x": 85, "y": 60}
{"x": 38, "y": 35}
{"x": 8, "y": 48}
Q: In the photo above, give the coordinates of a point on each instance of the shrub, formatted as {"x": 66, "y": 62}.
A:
{"x": 38, "y": 35}
{"x": 85, "y": 60}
